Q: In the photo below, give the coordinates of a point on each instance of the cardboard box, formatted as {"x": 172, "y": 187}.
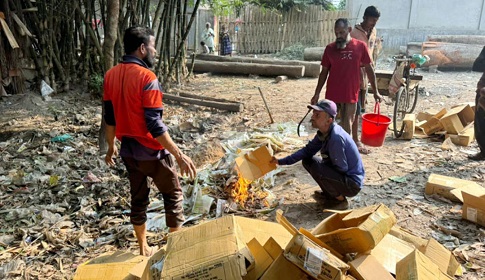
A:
{"x": 212, "y": 250}
{"x": 401, "y": 233}
{"x": 417, "y": 266}
{"x": 390, "y": 251}
{"x": 255, "y": 164}
{"x": 457, "y": 118}
{"x": 472, "y": 188}
{"x": 110, "y": 266}
{"x": 262, "y": 260}
{"x": 282, "y": 268}
{"x": 474, "y": 205}
{"x": 150, "y": 268}
{"x": 409, "y": 126}
{"x": 442, "y": 185}
{"x": 356, "y": 231}
{"x": 433, "y": 124}
{"x": 314, "y": 260}
{"x": 262, "y": 231}
{"x": 426, "y": 115}
{"x": 465, "y": 137}
{"x": 366, "y": 267}
{"x": 443, "y": 258}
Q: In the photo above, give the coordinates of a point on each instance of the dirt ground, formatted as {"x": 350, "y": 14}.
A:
{"x": 395, "y": 173}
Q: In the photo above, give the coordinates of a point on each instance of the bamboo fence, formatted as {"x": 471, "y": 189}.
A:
{"x": 263, "y": 31}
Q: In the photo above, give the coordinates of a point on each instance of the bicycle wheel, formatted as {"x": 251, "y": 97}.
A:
{"x": 400, "y": 111}
{"x": 413, "y": 99}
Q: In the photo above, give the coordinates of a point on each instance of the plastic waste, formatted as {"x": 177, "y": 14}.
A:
{"x": 61, "y": 138}
{"x": 420, "y": 59}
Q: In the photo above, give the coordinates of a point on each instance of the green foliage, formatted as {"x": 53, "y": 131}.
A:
{"x": 95, "y": 83}
{"x": 294, "y": 52}
{"x": 342, "y": 5}
{"x": 227, "y": 7}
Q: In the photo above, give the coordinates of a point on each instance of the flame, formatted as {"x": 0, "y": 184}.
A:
{"x": 244, "y": 195}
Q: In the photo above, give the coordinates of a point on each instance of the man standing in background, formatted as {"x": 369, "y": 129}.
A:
{"x": 341, "y": 63}
{"x": 365, "y": 32}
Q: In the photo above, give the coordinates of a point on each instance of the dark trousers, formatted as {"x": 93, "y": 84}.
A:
{"x": 479, "y": 124}
{"x": 165, "y": 177}
{"x": 332, "y": 182}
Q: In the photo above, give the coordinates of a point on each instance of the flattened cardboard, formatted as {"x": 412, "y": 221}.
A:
{"x": 255, "y": 164}
{"x": 443, "y": 258}
{"x": 356, "y": 231}
{"x": 390, "y": 251}
{"x": 109, "y": 266}
{"x": 282, "y": 268}
{"x": 273, "y": 248}
{"x": 417, "y": 266}
{"x": 212, "y": 250}
{"x": 474, "y": 205}
{"x": 457, "y": 118}
{"x": 263, "y": 230}
{"x": 366, "y": 267}
{"x": 401, "y": 233}
{"x": 442, "y": 185}
{"x": 314, "y": 260}
{"x": 262, "y": 260}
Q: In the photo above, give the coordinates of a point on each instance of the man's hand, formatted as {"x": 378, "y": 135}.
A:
{"x": 112, "y": 152}
{"x": 187, "y": 167}
{"x": 314, "y": 99}
{"x": 273, "y": 160}
{"x": 378, "y": 97}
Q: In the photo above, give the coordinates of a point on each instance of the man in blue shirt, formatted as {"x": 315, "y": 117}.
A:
{"x": 339, "y": 170}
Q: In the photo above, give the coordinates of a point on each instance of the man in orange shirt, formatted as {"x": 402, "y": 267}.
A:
{"x": 365, "y": 32}
{"x": 133, "y": 114}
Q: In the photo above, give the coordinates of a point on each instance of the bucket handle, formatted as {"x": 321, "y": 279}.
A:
{"x": 377, "y": 108}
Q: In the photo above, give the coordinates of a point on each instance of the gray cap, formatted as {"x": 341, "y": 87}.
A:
{"x": 325, "y": 105}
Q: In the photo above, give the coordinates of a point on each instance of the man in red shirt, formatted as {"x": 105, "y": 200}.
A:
{"x": 133, "y": 114}
{"x": 341, "y": 64}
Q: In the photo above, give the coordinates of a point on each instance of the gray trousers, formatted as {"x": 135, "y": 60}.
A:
{"x": 332, "y": 182}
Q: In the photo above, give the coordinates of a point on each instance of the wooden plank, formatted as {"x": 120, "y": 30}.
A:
{"x": 8, "y": 33}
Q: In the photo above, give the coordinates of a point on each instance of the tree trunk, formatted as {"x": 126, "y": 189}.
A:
{"x": 313, "y": 54}
{"x": 460, "y": 39}
{"x": 110, "y": 37}
{"x": 294, "y": 71}
{"x": 451, "y": 55}
{"x": 312, "y": 69}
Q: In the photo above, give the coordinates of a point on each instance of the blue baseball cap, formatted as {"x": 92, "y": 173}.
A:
{"x": 325, "y": 105}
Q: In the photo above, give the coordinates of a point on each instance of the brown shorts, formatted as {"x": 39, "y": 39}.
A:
{"x": 165, "y": 177}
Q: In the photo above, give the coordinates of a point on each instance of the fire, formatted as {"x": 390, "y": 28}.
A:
{"x": 246, "y": 196}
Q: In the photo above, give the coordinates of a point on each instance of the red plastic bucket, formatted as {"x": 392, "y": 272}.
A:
{"x": 374, "y": 127}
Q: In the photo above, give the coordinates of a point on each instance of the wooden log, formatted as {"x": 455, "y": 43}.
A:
{"x": 294, "y": 71}
{"x": 313, "y": 54}
{"x": 451, "y": 55}
{"x": 206, "y": 101}
{"x": 460, "y": 39}
{"x": 8, "y": 33}
{"x": 312, "y": 69}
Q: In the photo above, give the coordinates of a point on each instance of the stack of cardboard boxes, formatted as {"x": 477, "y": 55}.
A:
{"x": 356, "y": 244}
{"x": 456, "y": 123}
{"x": 467, "y": 192}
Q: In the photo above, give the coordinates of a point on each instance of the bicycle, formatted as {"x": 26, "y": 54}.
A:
{"x": 402, "y": 86}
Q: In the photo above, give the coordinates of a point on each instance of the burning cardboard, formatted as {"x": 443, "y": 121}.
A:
{"x": 255, "y": 164}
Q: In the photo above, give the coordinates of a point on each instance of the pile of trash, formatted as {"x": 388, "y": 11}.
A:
{"x": 60, "y": 204}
